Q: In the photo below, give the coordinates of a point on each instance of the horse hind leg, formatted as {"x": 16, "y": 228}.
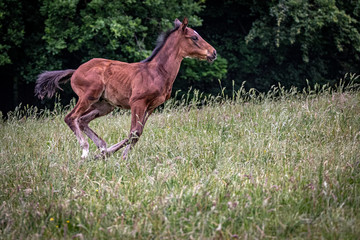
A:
{"x": 98, "y": 109}
{"x": 84, "y": 106}
{"x": 71, "y": 120}
{"x": 89, "y": 89}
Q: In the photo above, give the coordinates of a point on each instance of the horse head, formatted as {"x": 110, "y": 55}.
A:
{"x": 192, "y": 44}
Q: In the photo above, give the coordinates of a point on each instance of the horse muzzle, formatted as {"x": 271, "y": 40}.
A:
{"x": 212, "y": 56}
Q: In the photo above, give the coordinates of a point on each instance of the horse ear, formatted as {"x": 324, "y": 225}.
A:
{"x": 185, "y": 23}
{"x": 177, "y": 23}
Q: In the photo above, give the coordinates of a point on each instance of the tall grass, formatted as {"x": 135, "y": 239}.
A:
{"x": 284, "y": 164}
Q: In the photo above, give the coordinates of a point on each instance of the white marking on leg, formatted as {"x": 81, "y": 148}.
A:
{"x": 102, "y": 149}
{"x": 85, "y": 146}
{"x": 85, "y": 153}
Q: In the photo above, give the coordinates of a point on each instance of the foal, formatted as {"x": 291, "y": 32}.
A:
{"x": 103, "y": 84}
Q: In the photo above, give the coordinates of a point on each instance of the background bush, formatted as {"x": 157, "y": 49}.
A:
{"x": 261, "y": 42}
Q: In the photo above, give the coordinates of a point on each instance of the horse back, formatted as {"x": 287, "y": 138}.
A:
{"x": 114, "y": 78}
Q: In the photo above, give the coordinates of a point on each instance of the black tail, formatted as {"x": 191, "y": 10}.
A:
{"x": 48, "y": 82}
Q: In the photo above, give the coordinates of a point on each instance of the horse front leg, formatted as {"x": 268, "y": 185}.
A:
{"x": 139, "y": 115}
{"x": 137, "y": 127}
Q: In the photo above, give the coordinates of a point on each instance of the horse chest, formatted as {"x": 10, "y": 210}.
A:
{"x": 156, "y": 102}
{"x": 158, "y": 98}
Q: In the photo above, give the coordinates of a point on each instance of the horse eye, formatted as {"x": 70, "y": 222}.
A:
{"x": 195, "y": 38}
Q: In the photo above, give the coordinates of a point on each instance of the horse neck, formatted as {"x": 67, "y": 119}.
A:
{"x": 168, "y": 59}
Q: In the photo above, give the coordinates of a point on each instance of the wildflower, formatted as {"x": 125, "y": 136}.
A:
{"x": 51, "y": 219}
{"x": 67, "y": 221}
{"x": 57, "y": 226}
{"x": 97, "y": 190}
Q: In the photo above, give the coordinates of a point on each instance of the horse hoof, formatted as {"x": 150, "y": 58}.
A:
{"x": 99, "y": 156}
{"x": 103, "y": 155}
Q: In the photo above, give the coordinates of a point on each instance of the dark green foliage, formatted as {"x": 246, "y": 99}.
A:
{"x": 76, "y": 31}
{"x": 266, "y": 42}
{"x": 11, "y": 29}
{"x": 51, "y": 35}
{"x": 201, "y": 75}
{"x": 261, "y": 42}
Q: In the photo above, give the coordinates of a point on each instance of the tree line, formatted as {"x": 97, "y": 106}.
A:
{"x": 264, "y": 43}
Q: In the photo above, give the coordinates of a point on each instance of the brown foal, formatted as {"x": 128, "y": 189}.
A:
{"x": 103, "y": 84}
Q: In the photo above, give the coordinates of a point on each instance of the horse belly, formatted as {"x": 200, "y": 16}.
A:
{"x": 116, "y": 97}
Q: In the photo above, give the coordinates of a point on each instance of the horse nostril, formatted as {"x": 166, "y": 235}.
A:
{"x": 211, "y": 56}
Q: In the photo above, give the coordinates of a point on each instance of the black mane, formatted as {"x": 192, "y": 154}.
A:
{"x": 160, "y": 43}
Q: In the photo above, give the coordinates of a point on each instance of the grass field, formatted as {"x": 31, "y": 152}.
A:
{"x": 281, "y": 165}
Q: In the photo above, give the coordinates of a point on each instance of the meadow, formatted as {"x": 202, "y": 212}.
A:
{"x": 279, "y": 165}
